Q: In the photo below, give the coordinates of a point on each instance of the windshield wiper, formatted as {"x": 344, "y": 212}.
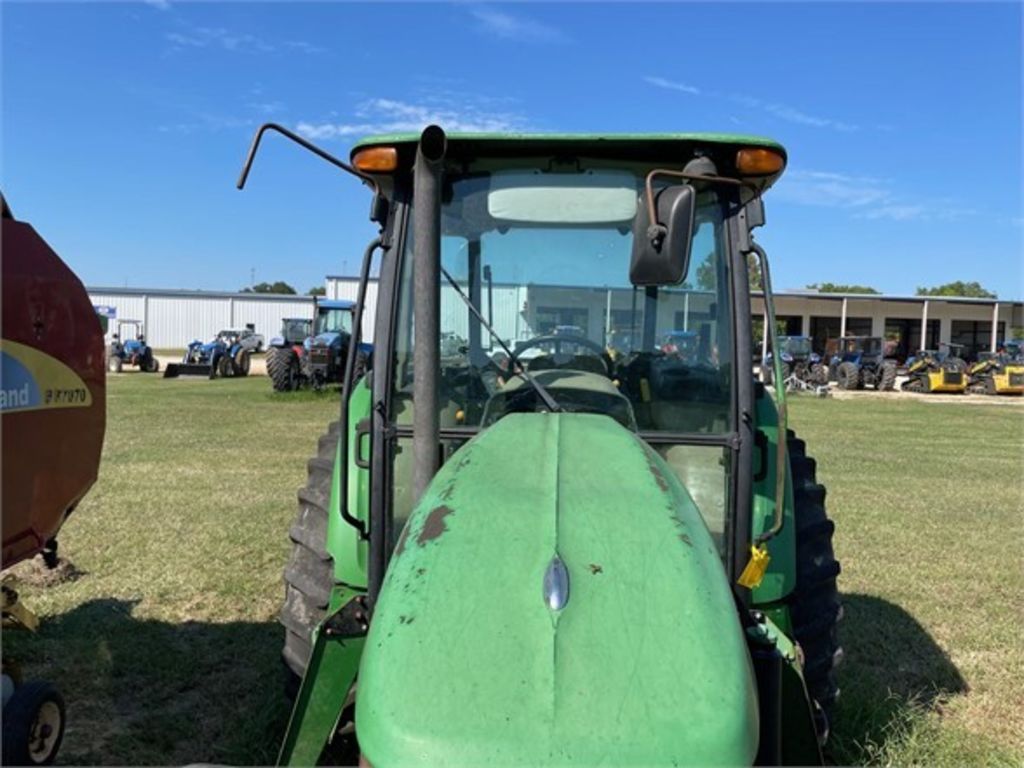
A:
{"x": 549, "y": 401}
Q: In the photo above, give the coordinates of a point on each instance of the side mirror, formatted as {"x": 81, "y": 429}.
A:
{"x": 661, "y": 249}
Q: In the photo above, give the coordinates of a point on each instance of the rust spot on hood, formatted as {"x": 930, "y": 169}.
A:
{"x": 658, "y": 477}
{"x": 400, "y": 546}
{"x": 434, "y": 525}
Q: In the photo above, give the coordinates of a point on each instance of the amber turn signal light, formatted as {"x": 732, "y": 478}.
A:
{"x": 376, "y": 159}
{"x": 757, "y": 161}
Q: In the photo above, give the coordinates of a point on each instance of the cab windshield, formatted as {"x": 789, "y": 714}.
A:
{"x": 333, "y": 321}
{"x": 544, "y": 256}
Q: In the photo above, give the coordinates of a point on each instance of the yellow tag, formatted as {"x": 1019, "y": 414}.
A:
{"x": 645, "y": 390}
{"x": 756, "y": 566}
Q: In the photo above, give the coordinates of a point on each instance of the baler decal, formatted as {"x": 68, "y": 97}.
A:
{"x": 31, "y": 380}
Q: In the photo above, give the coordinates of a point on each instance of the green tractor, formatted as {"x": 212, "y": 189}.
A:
{"x": 519, "y": 554}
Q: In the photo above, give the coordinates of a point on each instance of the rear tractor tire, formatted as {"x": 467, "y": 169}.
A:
{"x": 886, "y": 378}
{"x": 815, "y": 607}
{"x": 309, "y": 574}
{"x": 281, "y": 362}
{"x": 242, "y": 363}
{"x": 848, "y": 376}
{"x": 819, "y": 375}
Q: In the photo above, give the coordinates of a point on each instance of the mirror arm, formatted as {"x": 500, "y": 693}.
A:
{"x": 247, "y": 166}
{"x": 657, "y": 231}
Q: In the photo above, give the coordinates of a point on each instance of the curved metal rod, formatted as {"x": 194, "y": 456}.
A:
{"x": 781, "y": 449}
{"x": 346, "y": 389}
{"x": 305, "y": 145}
{"x": 652, "y": 214}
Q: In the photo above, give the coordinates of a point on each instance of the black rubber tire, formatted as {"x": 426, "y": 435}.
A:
{"x": 308, "y": 576}
{"x": 848, "y": 376}
{"x": 786, "y": 371}
{"x": 815, "y": 607}
{"x": 886, "y": 378}
{"x": 242, "y": 363}
{"x": 819, "y": 375}
{"x": 226, "y": 366}
{"x": 279, "y": 362}
{"x": 19, "y": 724}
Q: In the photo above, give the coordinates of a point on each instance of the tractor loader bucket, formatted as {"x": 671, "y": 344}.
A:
{"x": 174, "y": 370}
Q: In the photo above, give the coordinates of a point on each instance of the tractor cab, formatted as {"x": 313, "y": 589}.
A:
{"x": 533, "y": 544}
{"x": 858, "y": 349}
{"x": 294, "y": 330}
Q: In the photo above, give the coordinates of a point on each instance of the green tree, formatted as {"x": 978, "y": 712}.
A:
{"x": 959, "y": 288}
{"x": 706, "y": 274}
{"x": 317, "y": 290}
{"x": 841, "y": 288}
{"x": 279, "y": 287}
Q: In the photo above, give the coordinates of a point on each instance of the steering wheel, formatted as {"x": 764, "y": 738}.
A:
{"x": 558, "y": 341}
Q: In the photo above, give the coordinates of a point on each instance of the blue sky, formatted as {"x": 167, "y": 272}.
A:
{"x": 125, "y": 124}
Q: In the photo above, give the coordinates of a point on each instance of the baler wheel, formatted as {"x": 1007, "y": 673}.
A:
{"x": 33, "y": 724}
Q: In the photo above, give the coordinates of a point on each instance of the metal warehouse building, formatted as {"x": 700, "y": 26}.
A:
{"x": 521, "y": 311}
{"x": 173, "y": 318}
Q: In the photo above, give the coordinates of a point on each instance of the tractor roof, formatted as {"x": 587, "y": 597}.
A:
{"x": 662, "y": 148}
{"x": 335, "y": 304}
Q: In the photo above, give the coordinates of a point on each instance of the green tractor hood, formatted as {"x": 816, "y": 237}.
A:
{"x": 477, "y": 654}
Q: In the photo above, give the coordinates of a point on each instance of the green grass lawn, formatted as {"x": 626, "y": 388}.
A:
{"x": 165, "y": 644}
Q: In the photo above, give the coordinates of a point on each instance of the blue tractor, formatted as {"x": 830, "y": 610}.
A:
{"x": 135, "y": 351}
{"x": 318, "y": 359}
{"x": 860, "y": 361}
{"x": 225, "y": 355}
{"x": 801, "y": 365}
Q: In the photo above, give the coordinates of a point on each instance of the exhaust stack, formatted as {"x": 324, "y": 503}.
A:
{"x": 427, "y": 179}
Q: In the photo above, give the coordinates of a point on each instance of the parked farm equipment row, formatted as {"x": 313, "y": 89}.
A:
{"x": 314, "y": 356}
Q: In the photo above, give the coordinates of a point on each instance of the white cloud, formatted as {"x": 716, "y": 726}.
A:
{"x": 672, "y": 85}
{"x": 870, "y": 198}
{"x": 794, "y": 115}
{"x": 234, "y": 42}
{"x": 392, "y": 116}
{"x": 831, "y": 190}
{"x": 518, "y": 28}
{"x": 895, "y": 212}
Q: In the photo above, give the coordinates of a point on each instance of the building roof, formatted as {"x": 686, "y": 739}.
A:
{"x": 197, "y": 294}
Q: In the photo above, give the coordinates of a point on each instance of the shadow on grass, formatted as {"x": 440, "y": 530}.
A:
{"x": 143, "y": 692}
{"x": 893, "y": 675}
